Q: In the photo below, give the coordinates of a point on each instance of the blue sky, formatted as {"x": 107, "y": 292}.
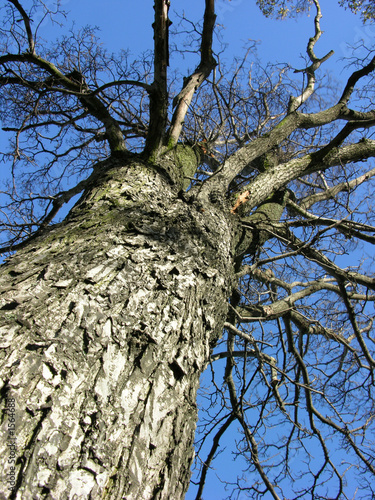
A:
{"x": 126, "y": 24}
{"x": 123, "y": 24}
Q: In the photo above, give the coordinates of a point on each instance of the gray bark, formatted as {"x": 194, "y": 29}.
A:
{"x": 107, "y": 322}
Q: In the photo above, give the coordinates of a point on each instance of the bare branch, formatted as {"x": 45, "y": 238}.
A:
{"x": 26, "y": 21}
{"x": 182, "y": 101}
{"x": 310, "y": 200}
{"x": 159, "y": 93}
{"x": 296, "y": 102}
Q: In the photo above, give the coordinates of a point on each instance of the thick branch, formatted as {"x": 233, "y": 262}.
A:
{"x": 354, "y": 78}
{"x": 278, "y": 177}
{"x": 295, "y": 102}
{"x": 243, "y": 157}
{"x": 26, "y": 20}
{"x": 207, "y": 63}
{"x": 159, "y": 92}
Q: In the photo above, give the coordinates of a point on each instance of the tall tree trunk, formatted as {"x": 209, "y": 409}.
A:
{"x": 107, "y": 322}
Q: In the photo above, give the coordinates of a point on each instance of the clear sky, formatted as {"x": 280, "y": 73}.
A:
{"x": 123, "y": 24}
{"x": 126, "y": 24}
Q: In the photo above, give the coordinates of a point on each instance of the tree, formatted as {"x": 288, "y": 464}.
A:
{"x": 365, "y": 7}
{"x": 218, "y": 202}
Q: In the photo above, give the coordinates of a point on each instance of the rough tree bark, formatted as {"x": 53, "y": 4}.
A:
{"x": 107, "y": 322}
{"x": 108, "y": 319}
